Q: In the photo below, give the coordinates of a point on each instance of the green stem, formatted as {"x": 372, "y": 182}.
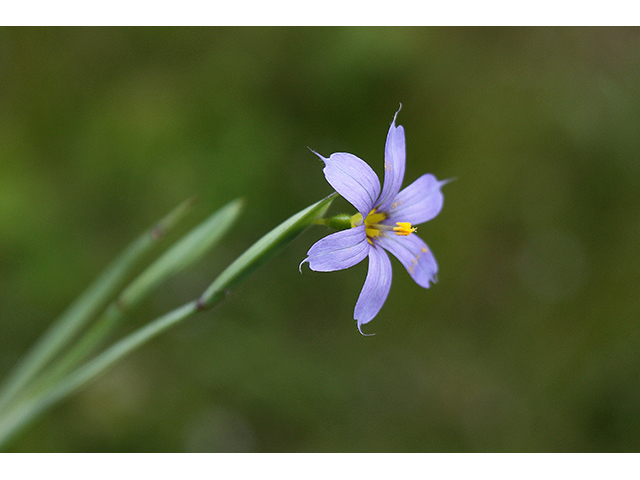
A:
{"x": 28, "y": 409}
{"x": 85, "y": 307}
{"x": 263, "y": 249}
{"x": 186, "y": 251}
{"x": 88, "y": 343}
{"x": 20, "y": 416}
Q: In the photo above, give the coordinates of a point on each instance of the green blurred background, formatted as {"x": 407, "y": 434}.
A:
{"x": 529, "y": 342}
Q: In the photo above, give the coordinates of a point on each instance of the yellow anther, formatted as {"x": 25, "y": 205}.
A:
{"x": 404, "y": 229}
{"x": 374, "y": 227}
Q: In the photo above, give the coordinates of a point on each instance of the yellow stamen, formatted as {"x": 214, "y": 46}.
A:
{"x": 404, "y": 229}
{"x": 373, "y": 226}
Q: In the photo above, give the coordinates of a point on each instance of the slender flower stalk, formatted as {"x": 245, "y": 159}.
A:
{"x": 182, "y": 254}
{"x": 26, "y": 408}
{"x": 385, "y": 221}
{"x": 80, "y": 312}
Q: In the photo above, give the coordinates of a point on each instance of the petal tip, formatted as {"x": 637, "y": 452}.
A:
{"x": 316, "y": 153}
{"x": 362, "y": 333}
{"x": 302, "y": 263}
{"x": 442, "y": 183}
{"x": 399, "y": 108}
{"x": 395, "y": 116}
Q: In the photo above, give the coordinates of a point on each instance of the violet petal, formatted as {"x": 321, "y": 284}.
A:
{"x": 353, "y": 179}
{"x": 414, "y": 254}
{"x": 394, "y": 164}
{"x": 376, "y": 287}
{"x": 338, "y": 251}
{"x": 418, "y": 203}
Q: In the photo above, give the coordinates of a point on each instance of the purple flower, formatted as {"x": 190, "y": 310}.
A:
{"x": 384, "y": 221}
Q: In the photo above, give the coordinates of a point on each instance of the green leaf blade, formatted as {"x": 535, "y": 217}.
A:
{"x": 264, "y": 249}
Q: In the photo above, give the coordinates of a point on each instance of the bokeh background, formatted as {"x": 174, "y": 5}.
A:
{"x": 529, "y": 342}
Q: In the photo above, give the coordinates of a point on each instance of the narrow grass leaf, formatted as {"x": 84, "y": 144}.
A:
{"x": 86, "y": 306}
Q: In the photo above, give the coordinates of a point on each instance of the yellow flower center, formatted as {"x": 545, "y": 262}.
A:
{"x": 373, "y": 227}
